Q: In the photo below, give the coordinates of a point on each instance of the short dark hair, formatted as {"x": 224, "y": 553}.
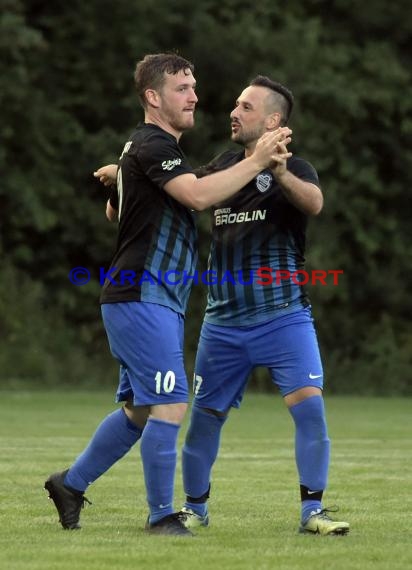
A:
{"x": 283, "y": 96}
{"x": 150, "y": 71}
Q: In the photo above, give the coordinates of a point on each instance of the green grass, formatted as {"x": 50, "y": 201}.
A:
{"x": 255, "y": 502}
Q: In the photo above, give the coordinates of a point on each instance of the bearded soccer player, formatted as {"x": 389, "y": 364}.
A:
{"x": 263, "y": 323}
{"x": 157, "y": 193}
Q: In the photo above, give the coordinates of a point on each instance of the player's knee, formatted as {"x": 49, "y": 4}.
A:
{"x": 216, "y": 413}
{"x": 136, "y": 414}
{"x": 173, "y": 413}
{"x": 302, "y": 394}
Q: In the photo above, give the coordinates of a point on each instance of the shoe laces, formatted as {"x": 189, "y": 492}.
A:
{"x": 85, "y": 500}
{"x": 177, "y": 517}
{"x": 186, "y": 513}
{"x": 81, "y": 497}
{"x": 323, "y": 513}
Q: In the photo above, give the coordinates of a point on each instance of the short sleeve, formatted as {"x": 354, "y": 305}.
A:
{"x": 304, "y": 170}
{"x": 162, "y": 159}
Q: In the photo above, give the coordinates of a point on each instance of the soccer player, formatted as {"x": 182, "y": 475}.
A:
{"x": 157, "y": 191}
{"x": 260, "y": 232}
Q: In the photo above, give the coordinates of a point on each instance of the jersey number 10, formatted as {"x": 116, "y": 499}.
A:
{"x": 167, "y": 382}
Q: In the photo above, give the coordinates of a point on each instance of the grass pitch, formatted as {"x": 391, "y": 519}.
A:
{"x": 255, "y": 501}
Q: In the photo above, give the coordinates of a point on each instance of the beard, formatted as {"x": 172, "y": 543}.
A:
{"x": 247, "y": 136}
{"x": 182, "y": 122}
{"x": 179, "y": 120}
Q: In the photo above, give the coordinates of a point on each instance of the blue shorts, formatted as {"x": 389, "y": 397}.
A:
{"x": 147, "y": 340}
{"x": 226, "y": 356}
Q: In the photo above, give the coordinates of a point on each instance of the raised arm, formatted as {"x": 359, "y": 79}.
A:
{"x": 305, "y": 196}
{"x": 202, "y": 193}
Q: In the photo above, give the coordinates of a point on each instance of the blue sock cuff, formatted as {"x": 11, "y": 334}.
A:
{"x": 208, "y": 416}
{"x": 129, "y": 424}
{"x": 307, "y": 405}
{"x": 309, "y": 507}
{"x": 157, "y": 424}
{"x": 200, "y": 509}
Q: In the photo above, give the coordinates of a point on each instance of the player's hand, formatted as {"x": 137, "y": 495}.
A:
{"x": 107, "y": 174}
{"x": 279, "y": 159}
{"x": 267, "y": 149}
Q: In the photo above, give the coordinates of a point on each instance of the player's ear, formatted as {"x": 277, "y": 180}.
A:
{"x": 273, "y": 121}
{"x": 152, "y": 97}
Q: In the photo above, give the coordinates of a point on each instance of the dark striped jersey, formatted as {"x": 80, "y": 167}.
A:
{"x": 157, "y": 235}
{"x": 258, "y": 237}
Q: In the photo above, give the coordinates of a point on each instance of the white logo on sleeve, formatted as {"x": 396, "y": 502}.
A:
{"x": 170, "y": 164}
{"x": 314, "y": 376}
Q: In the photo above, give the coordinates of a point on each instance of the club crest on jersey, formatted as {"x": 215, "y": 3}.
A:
{"x": 264, "y": 182}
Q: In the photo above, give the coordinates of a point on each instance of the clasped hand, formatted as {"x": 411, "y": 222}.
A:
{"x": 271, "y": 149}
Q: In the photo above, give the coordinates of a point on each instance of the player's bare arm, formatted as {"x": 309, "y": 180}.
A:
{"x": 111, "y": 213}
{"x": 107, "y": 175}
{"x": 305, "y": 196}
{"x": 202, "y": 193}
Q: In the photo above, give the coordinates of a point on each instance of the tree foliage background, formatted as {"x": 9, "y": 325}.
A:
{"x": 67, "y": 106}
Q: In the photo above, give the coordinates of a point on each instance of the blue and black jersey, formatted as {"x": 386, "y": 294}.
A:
{"x": 256, "y": 234}
{"x": 157, "y": 234}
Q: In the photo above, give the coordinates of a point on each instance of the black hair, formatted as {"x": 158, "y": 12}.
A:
{"x": 283, "y": 96}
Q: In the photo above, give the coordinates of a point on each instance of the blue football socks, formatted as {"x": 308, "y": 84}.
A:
{"x": 159, "y": 456}
{"x": 111, "y": 441}
{"x": 198, "y": 456}
{"x": 312, "y": 447}
{"x": 308, "y": 508}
